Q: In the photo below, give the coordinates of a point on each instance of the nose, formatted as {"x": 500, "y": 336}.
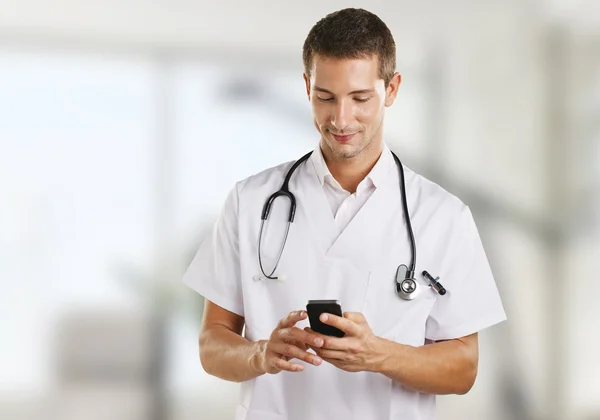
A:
{"x": 342, "y": 115}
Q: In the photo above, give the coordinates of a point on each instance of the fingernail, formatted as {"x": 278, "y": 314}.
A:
{"x": 317, "y": 361}
{"x": 319, "y": 341}
{"x": 324, "y": 317}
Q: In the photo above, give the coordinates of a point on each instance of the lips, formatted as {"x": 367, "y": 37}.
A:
{"x": 343, "y": 138}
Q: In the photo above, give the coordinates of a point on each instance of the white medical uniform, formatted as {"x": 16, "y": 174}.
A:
{"x": 347, "y": 247}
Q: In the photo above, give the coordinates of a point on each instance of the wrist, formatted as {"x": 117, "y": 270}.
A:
{"x": 379, "y": 356}
{"x": 258, "y": 357}
{"x": 385, "y": 354}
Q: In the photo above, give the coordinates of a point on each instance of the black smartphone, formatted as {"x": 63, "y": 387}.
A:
{"x": 315, "y": 308}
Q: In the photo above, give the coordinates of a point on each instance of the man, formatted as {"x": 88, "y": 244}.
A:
{"x": 347, "y": 241}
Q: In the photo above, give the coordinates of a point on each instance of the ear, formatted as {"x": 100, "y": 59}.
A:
{"x": 307, "y": 83}
{"x": 392, "y": 89}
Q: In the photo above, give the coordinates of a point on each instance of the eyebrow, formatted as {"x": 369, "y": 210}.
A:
{"x": 354, "y": 92}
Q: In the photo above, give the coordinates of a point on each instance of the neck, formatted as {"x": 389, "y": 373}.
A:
{"x": 349, "y": 172}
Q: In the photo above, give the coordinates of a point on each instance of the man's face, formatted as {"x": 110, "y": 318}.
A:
{"x": 348, "y": 102}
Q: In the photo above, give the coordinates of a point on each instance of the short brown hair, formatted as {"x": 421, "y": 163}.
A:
{"x": 352, "y": 33}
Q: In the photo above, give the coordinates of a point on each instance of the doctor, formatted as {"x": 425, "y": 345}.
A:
{"x": 347, "y": 241}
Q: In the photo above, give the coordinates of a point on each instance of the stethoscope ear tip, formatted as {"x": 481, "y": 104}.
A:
{"x": 260, "y": 277}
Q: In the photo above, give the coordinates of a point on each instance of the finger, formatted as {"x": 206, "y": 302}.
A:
{"x": 292, "y": 319}
{"x": 328, "y": 355}
{"x": 300, "y": 345}
{"x": 310, "y": 330}
{"x": 316, "y": 334}
{"x": 284, "y": 365}
{"x": 291, "y": 351}
{"x": 356, "y": 317}
{"x": 332, "y": 343}
{"x": 338, "y": 364}
{"x": 346, "y": 366}
{"x": 346, "y": 325}
{"x": 335, "y": 343}
{"x": 296, "y": 334}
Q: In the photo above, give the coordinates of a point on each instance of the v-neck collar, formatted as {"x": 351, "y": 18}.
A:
{"x": 358, "y": 241}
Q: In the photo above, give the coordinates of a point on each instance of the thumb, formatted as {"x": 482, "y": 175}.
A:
{"x": 355, "y": 317}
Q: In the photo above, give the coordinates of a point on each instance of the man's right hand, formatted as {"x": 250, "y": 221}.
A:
{"x": 287, "y": 342}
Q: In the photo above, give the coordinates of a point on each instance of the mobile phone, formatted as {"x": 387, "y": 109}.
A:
{"x": 315, "y": 308}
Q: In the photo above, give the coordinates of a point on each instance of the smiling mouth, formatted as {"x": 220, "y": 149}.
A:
{"x": 343, "y": 138}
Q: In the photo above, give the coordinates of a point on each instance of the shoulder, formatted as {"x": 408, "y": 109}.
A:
{"x": 265, "y": 177}
{"x": 433, "y": 200}
{"x": 439, "y": 215}
{"x": 261, "y": 184}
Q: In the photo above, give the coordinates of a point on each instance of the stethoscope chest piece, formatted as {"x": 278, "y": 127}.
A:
{"x": 406, "y": 286}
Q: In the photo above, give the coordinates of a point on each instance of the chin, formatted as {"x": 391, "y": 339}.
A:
{"x": 346, "y": 151}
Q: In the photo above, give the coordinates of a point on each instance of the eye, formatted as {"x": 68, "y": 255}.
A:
{"x": 362, "y": 99}
{"x": 324, "y": 99}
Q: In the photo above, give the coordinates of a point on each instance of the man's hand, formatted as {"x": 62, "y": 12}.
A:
{"x": 444, "y": 367}
{"x": 358, "y": 350}
{"x": 286, "y": 342}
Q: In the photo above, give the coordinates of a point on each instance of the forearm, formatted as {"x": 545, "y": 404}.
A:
{"x": 448, "y": 367}
{"x": 229, "y": 356}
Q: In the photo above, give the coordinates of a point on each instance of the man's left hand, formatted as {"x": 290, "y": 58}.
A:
{"x": 359, "y": 349}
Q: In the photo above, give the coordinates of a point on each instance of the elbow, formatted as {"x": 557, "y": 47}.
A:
{"x": 468, "y": 365}
{"x": 465, "y": 387}
{"x": 467, "y": 379}
{"x": 205, "y": 357}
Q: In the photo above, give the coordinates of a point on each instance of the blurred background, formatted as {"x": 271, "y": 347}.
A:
{"x": 123, "y": 125}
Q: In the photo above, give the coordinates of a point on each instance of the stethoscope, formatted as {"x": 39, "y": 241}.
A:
{"x": 406, "y": 285}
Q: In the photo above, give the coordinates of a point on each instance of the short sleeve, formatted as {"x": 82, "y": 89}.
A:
{"x": 215, "y": 269}
{"x": 472, "y": 302}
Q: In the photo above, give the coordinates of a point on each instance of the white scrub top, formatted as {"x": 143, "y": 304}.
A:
{"x": 357, "y": 266}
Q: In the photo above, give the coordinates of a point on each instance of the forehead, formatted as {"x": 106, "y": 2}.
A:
{"x": 328, "y": 72}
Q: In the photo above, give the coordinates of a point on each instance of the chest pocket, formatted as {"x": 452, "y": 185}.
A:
{"x": 392, "y": 317}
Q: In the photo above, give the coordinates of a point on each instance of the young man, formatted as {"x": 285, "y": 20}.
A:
{"x": 348, "y": 239}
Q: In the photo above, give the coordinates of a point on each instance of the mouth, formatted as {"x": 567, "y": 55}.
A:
{"x": 343, "y": 138}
